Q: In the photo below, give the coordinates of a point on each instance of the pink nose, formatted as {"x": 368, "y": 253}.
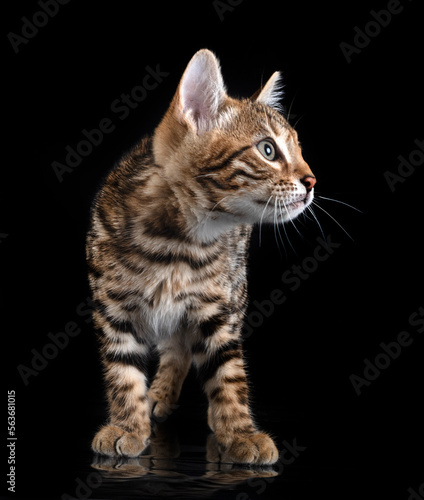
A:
{"x": 309, "y": 182}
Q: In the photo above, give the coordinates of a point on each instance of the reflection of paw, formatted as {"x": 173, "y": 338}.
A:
{"x": 257, "y": 448}
{"x": 122, "y": 467}
{"x": 164, "y": 442}
{"x": 221, "y": 469}
{"x": 213, "y": 450}
{"x": 112, "y": 441}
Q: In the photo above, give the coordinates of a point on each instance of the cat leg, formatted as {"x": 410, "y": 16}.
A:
{"x": 124, "y": 358}
{"x": 219, "y": 359}
{"x": 174, "y": 364}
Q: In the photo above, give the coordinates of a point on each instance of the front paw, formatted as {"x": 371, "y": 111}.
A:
{"x": 114, "y": 441}
{"x": 256, "y": 448}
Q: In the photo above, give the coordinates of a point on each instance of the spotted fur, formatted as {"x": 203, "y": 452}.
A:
{"x": 167, "y": 257}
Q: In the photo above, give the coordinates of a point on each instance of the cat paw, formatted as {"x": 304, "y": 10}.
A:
{"x": 257, "y": 448}
{"x": 161, "y": 408}
{"x": 114, "y": 441}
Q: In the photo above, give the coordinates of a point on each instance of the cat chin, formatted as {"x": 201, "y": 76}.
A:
{"x": 268, "y": 212}
{"x": 294, "y": 211}
{"x": 250, "y": 212}
{"x": 297, "y": 207}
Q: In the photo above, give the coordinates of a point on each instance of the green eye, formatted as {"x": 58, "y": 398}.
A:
{"x": 267, "y": 149}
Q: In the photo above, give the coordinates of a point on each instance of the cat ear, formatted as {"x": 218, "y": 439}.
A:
{"x": 201, "y": 92}
{"x": 271, "y": 93}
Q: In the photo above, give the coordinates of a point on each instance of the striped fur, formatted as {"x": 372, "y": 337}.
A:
{"x": 167, "y": 258}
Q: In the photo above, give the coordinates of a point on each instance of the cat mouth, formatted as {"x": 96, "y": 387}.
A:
{"x": 294, "y": 205}
{"x": 284, "y": 210}
{"x": 291, "y": 205}
{"x": 302, "y": 202}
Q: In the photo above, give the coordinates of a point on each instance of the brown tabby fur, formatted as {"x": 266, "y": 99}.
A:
{"x": 167, "y": 257}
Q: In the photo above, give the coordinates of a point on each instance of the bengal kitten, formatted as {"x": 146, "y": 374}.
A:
{"x": 167, "y": 253}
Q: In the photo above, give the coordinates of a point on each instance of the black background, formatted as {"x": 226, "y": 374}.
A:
{"x": 355, "y": 119}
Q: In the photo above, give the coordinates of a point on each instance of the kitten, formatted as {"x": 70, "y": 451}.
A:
{"x": 167, "y": 253}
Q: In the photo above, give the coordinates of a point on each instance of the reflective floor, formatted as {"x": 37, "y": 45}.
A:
{"x": 330, "y": 446}
{"x": 183, "y": 461}
{"x": 172, "y": 469}
{"x": 324, "y": 453}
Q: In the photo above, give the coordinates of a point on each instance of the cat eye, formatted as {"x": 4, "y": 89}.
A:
{"x": 267, "y": 149}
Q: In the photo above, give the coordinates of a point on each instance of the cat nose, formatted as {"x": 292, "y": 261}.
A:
{"x": 309, "y": 182}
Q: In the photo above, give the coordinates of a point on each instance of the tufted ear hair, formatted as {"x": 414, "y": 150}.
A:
{"x": 271, "y": 93}
{"x": 201, "y": 92}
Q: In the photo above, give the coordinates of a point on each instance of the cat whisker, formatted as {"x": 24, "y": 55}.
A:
{"x": 284, "y": 226}
{"x": 291, "y": 104}
{"x": 262, "y": 216}
{"x": 204, "y": 175}
{"x": 209, "y": 214}
{"x": 316, "y": 220}
{"x": 278, "y": 224}
{"x": 335, "y": 220}
{"x": 302, "y": 222}
{"x": 306, "y": 216}
{"x": 216, "y": 204}
{"x": 297, "y": 230}
{"x": 293, "y": 223}
{"x": 338, "y": 201}
{"x": 277, "y": 228}
{"x": 298, "y": 120}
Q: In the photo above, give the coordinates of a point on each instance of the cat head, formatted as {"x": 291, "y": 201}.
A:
{"x": 239, "y": 158}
